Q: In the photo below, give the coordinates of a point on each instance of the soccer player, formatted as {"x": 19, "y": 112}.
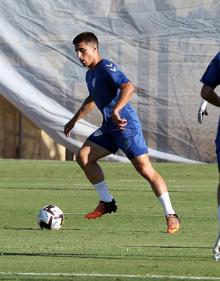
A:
{"x": 110, "y": 90}
{"x": 210, "y": 80}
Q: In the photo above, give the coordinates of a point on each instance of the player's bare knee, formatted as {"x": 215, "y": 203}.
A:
{"x": 84, "y": 160}
{"x": 147, "y": 172}
{"x": 142, "y": 170}
{"x": 81, "y": 159}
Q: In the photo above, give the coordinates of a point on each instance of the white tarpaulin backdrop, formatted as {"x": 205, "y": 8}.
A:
{"x": 163, "y": 46}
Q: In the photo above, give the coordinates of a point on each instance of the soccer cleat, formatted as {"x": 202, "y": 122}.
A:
{"x": 216, "y": 249}
{"x": 173, "y": 223}
{"x": 102, "y": 209}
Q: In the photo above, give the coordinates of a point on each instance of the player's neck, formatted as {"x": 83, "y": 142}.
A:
{"x": 95, "y": 62}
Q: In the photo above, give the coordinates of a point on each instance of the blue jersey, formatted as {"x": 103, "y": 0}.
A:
{"x": 104, "y": 82}
{"x": 211, "y": 77}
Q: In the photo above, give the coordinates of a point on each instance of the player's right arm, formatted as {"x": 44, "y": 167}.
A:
{"x": 85, "y": 108}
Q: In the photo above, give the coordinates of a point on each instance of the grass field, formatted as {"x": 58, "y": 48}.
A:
{"x": 129, "y": 245}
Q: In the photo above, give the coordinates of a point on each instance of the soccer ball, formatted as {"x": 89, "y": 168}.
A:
{"x": 50, "y": 217}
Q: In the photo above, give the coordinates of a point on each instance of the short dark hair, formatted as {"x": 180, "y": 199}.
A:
{"x": 86, "y": 37}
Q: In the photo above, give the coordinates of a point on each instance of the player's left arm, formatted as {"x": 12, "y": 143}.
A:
{"x": 127, "y": 90}
{"x": 208, "y": 94}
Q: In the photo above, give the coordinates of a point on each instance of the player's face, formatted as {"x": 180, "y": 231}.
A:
{"x": 87, "y": 53}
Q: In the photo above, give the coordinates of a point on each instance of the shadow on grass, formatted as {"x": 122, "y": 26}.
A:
{"x": 86, "y": 256}
{"x": 36, "y": 229}
{"x": 76, "y": 229}
{"x": 107, "y": 257}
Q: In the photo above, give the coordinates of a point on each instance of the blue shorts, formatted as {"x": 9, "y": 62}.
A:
{"x": 132, "y": 143}
{"x": 217, "y": 143}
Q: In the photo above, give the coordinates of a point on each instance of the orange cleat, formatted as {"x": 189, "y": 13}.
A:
{"x": 173, "y": 223}
{"x": 102, "y": 209}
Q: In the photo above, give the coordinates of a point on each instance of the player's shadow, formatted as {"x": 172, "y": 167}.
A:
{"x": 36, "y": 229}
{"x": 102, "y": 257}
{"x": 63, "y": 255}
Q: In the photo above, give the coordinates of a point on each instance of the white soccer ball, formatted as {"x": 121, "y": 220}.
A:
{"x": 50, "y": 217}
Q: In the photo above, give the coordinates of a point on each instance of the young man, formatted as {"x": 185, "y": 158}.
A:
{"x": 110, "y": 90}
{"x": 210, "y": 80}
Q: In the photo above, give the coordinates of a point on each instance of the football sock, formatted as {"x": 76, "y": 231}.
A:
{"x": 165, "y": 201}
{"x": 103, "y": 192}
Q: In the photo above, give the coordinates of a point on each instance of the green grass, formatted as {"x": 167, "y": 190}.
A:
{"x": 131, "y": 242}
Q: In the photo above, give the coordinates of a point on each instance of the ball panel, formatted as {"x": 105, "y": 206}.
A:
{"x": 48, "y": 225}
{"x": 49, "y": 209}
{"x": 51, "y": 217}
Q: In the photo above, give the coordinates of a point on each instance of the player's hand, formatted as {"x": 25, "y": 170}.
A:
{"x": 68, "y": 127}
{"x": 202, "y": 111}
{"x": 120, "y": 122}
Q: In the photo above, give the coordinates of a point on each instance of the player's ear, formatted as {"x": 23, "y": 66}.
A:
{"x": 95, "y": 47}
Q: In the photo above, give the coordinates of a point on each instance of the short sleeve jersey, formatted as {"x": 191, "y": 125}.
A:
{"x": 211, "y": 77}
{"x": 104, "y": 82}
